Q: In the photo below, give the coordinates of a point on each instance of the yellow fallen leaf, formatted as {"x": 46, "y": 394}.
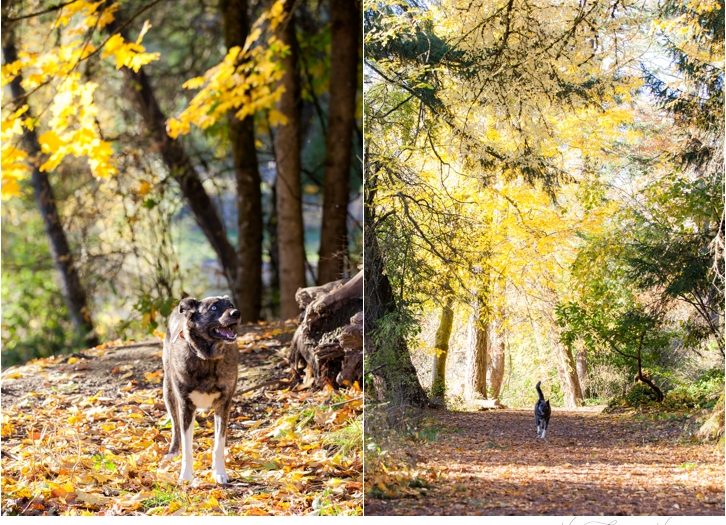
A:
{"x": 92, "y": 500}
{"x": 153, "y": 377}
{"x": 211, "y": 503}
{"x": 61, "y": 490}
{"x": 75, "y": 418}
{"x": 173, "y": 507}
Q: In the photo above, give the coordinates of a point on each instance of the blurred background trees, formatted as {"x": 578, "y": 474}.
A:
{"x": 176, "y": 147}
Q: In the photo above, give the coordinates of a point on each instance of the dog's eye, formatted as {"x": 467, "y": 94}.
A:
{"x": 214, "y": 308}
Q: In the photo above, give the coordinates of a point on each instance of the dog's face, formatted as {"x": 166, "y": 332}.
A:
{"x": 213, "y": 320}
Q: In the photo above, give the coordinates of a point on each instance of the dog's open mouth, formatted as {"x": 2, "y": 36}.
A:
{"x": 228, "y": 333}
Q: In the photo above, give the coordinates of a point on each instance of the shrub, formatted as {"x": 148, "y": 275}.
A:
{"x": 702, "y": 393}
{"x": 639, "y": 395}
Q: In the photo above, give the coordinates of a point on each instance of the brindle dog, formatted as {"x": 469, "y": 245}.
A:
{"x": 200, "y": 371}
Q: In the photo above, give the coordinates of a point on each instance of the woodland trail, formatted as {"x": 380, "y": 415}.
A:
{"x": 491, "y": 463}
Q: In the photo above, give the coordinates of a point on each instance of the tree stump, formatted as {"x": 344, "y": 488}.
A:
{"x": 327, "y": 347}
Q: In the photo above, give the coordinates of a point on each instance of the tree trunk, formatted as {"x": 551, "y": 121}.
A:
{"x": 73, "y": 291}
{"x": 479, "y": 343}
{"x": 182, "y": 170}
{"x": 441, "y": 347}
{"x": 328, "y": 343}
{"x": 640, "y": 376}
{"x": 345, "y": 29}
{"x": 388, "y": 362}
{"x": 581, "y": 365}
{"x": 496, "y": 356}
{"x": 713, "y": 428}
{"x": 247, "y": 175}
{"x": 567, "y": 370}
{"x": 287, "y": 152}
{"x": 273, "y": 251}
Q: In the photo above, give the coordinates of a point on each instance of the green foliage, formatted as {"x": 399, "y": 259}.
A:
{"x": 35, "y": 320}
{"x": 393, "y": 329}
{"x": 639, "y": 394}
{"x": 703, "y": 393}
{"x": 162, "y": 497}
{"x": 347, "y": 439}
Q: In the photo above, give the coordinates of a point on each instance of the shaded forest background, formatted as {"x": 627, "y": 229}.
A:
{"x": 154, "y": 148}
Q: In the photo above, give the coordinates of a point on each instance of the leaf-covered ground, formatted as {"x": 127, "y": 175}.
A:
{"x": 86, "y": 434}
{"x": 491, "y": 463}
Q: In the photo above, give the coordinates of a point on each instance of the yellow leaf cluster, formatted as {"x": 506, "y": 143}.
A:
{"x": 73, "y": 130}
{"x": 14, "y": 158}
{"x": 127, "y": 54}
{"x": 245, "y": 82}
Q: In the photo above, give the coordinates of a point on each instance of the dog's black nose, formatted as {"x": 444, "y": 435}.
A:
{"x": 235, "y": 314}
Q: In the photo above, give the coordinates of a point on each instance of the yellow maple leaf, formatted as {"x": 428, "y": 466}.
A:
{"x": 277, "y": 118}
{"x": 194, "y": 83}
{"x": 49, "y": 142}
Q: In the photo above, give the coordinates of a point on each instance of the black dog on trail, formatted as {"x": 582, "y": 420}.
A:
{"x": 200, "y": 371}
{"x": 542, "y": 412}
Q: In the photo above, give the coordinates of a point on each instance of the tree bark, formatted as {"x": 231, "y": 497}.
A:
{"x": 235, "y": 14}
{"x": 441, "y": 347}
{"x": 581, "y": 365}
{"x": 328, "y": 343}
{"x": 290, "y": 230}
{"x": 345, "y": 29}
{"x": 73, "y": 291}
{"x": 568, "y": 374}
{"x": 388, "y": 361}
{"x": 640, "y": 376}
{"x": 713, "y": 428}
{"x": 496, "y": 355}
{"x": 273, "y": 250}
{"x": 479, "y": 343}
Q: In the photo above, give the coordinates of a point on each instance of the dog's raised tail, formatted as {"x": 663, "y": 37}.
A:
{"x": 539, "y": 391}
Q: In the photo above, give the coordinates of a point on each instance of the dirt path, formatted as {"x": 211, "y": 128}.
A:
{"x": 590, "y": 464}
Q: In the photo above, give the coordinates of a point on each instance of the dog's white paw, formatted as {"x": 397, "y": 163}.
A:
{"x": 186, "y": 476}
{"x": 220, "y": 477}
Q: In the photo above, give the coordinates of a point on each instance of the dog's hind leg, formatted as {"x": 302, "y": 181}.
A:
{"x": 173, "y": 411}
{"x": 221, "y": 414}
{"x": 186, "y": 418}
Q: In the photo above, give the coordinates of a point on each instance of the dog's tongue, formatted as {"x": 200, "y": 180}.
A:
{"x": 226, "y": 332}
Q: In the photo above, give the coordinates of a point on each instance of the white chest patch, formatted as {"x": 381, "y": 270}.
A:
{"x": 203, "y": 399}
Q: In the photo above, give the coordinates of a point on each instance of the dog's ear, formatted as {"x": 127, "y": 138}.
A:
{"x": 547, "y": 402}
{"x": 188, "y": 304}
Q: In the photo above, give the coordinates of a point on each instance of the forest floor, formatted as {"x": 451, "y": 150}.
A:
{"x": 86, "y": 434}
{"x": 591, "y": 463}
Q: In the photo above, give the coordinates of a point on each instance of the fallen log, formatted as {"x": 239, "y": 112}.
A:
{"x": 327, "y": 347}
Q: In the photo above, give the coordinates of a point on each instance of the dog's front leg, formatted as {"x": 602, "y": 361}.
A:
{"x": 220, "y": 430}
{"x": 187, "y": 431}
